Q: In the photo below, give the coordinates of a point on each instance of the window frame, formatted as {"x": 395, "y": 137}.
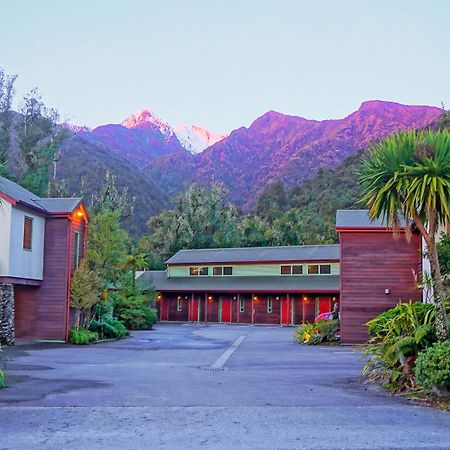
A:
{"x": 179, "y": 304}
{"x": 198, "y": 270}
{"x": 285, "y": 266}
{"x": 241, "y": 305}
{"x": 299, "y": 266}
{"x": 26, "y": 238}
{"x": 325, "y": 273}
{"x": 226, "y": 268}
{"x": 76, "y": 248}
{"x": 217, "y": 269}
{"x": 317, "y": 269}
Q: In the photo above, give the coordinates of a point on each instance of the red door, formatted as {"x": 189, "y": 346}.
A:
{"x": 194, "y": 310}
{"x": 324, "y": 305}
{"x": 225, "y": 311}
{"x": 285, "y": 311}
{"x": 164, "y": 309}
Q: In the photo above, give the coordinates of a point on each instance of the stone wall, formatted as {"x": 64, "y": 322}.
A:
{"x": 7, "y": 334}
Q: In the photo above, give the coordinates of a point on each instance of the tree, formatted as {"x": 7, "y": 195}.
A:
{"x": 135, "y": 262}
{"x": 407, "y": 177}
{"x": 107, "y": 246}
{"x": 272, "y": 202}
{"x": 6, "y": 98}
{"x": 85, "y": 288}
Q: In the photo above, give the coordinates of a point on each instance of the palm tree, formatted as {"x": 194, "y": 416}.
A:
{"x": 406, "y": 177}
{"x": 135, "y": 262}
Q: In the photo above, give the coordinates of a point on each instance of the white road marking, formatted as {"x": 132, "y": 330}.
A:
{"x": 225, "y": 356}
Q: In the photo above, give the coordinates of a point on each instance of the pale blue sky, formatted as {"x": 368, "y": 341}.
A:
{"x": 221, "y": 64}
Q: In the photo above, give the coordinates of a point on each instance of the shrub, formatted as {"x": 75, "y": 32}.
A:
{"x": 399, "y": 334}
{"x": 322, "y": 331}
{"x": 134, "y": 313}
{"x": 108, "y": 328}
{"x": 433, "y": 367}
{"x": 82, "y": 336}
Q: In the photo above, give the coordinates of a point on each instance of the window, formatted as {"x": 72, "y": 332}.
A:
{"x": 313, "y": 269}
{"x": 292, "y": 270}
{"x": 27, "y": 232}
{"x": 217, "y": 271}
{"x": 269, "y": 304}
{"x": 325, "y": 268}
{"x": 241, "y": 305}
{"x": 228, "y": 270}
{"x": 195, "y": 271}
{"x": 179, "y": 304}
{"x": 76, "y": 250}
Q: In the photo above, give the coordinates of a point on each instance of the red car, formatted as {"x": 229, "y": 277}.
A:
{"x": 328, "y": 316}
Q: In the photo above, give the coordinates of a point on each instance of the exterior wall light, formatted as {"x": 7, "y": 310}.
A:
{"x": 387, "y": 291}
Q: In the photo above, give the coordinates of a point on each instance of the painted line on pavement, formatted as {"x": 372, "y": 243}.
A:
{"x": 225, "y": 356}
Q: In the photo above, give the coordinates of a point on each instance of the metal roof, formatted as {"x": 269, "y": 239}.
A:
{"x": 157, "y": 280}
{"x": 55, "y": 205}
{"x": 259, "y": 254}
{"x": 359, "y": 218}
{"x": 49, "y": 205}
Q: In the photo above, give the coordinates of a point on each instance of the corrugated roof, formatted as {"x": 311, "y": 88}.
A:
{"x": 156, "y": 279}
{"x": 49, "y": 205}
{"x": 260, "y": 254}
{"x": 358, "y": 218}
{"x": 55, "y": 205}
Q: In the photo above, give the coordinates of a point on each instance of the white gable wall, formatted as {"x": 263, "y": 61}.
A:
{"x": 27, "y": 264}
{"x": 5, "y": 231}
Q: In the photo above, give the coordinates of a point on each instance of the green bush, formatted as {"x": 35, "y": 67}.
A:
{"x": 108, "y": 328}
{"x": 433, "y": 366}
{"x": 398, "y": 336}
{"x": 320, "y": 332}
{"x": 134, "y": 313}
{"x": 82, "y": 336}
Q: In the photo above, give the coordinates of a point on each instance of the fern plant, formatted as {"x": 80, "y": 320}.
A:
{"x": 399, "y": 335}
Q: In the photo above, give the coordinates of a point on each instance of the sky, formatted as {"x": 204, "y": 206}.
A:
{"x": 221, "y": 64}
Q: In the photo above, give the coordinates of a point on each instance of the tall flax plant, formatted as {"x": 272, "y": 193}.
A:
{"x": 406, "y": 178}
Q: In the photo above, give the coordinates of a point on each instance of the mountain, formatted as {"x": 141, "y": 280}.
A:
{"x": 150, "y": 155}
{"x": 196, "y": 139}
{"x": 292, "y": 149}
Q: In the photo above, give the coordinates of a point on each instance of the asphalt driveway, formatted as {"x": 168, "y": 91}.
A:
{"x": 195, "y": 386}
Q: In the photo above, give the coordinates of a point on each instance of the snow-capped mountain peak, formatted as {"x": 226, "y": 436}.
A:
{"x": 145, "y": 117}
{"x": 195, "y": 138}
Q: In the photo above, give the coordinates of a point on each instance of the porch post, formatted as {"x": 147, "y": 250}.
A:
{"x": 253, "y": 308}
{"x": 238, "y": 297}
{"x": 206, "y": 307}
{"x": 303, "y": 308}
{"x": 289, "y": 308}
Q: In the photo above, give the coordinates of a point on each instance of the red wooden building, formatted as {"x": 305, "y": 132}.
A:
{"x": 366, "y": 274}
{"x": 41, "y": 243}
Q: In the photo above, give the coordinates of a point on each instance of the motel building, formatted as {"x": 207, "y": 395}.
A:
{"x": 42, "y": 241}
{"x": 365, "y": 274}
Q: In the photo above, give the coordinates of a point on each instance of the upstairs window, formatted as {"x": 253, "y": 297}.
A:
{"x": 219, "y": 270}
{"x": 27, "y": 233}
{"x": 292, "y": 270}
{"x": 196, "y": 271}
{"x": 325, "y": 269}
{"x": 76, "y": 250}
{"x": 313, "y": 269}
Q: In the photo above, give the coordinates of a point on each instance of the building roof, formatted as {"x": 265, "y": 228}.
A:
{"x": 359, "y": 218}
{"x": 157, "y": 280}
{"x": 257, "y": 254}
{"x": 47, "y": 205}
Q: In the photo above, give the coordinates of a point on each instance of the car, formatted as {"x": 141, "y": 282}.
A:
{"x": 328, "y": 316}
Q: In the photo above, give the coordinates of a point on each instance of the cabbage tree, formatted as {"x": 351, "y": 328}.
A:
{"x": 406, "y": 177}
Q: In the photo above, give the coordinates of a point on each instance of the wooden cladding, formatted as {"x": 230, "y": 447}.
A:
{"x": 27, "y": 233}
{"x": 377, "y": 270}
